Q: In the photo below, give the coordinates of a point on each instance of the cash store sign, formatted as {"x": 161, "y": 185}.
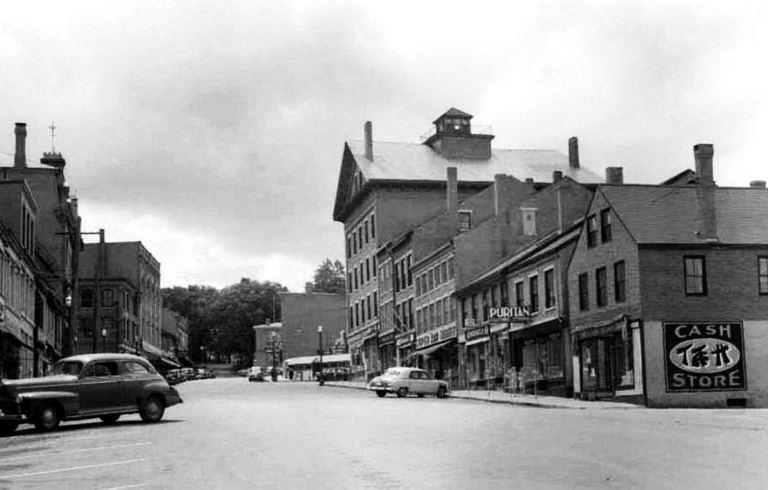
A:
{"x": 705, "y": 356}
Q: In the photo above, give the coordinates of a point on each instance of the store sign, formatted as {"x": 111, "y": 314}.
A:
{"x": 509, "y": 314}
{"x": 387, "y": 338}
{"x": 705, "y": 356}
{"x": 476, "y": 333}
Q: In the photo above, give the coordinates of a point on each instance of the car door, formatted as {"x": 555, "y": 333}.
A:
{"x": 429, "y": 384}
{"x": 415, "y": 384}
{"x": 100, "y": 387}
{"x": 136, "y": 375}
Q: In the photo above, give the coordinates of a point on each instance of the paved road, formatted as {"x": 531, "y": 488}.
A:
{"x": 232, "y": 434}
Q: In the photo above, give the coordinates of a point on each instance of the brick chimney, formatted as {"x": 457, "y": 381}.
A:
{"x": 452, "y": 192}
{"x": 573, "y": 152}
{"x": 20, "y": 158}
{"x": 557, "y": 176}
{"x": 369, "y": 140}
{"x": 614, "y": 175}
{"x": 498, "y": 190}
{"x": 705, "y": 192}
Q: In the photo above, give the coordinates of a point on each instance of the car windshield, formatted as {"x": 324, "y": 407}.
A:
{"x": 67, "y": 367}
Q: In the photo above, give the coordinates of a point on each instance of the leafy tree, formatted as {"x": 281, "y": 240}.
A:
{"x": 329, "y": 278}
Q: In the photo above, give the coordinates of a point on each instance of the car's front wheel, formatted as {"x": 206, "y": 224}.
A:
{"x": 153, "y": 410}
{"x": 47, "y": 418}
{"x": 402, "y": 392}
{"x": 110, "y": 419}
{"x": 8, "y": 428}
{"x": 381, "y": 393}
{"x": 442, "y": 392}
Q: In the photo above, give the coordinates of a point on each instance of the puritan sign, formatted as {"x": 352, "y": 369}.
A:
{"x": 705, "y": 356}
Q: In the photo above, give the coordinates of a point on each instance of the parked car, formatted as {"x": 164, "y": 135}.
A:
{"x": 255, "y": 374}
{"x": 104, "y": 386}
{"x": 403, "y": 381}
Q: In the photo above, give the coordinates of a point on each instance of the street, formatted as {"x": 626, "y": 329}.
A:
{"x": 233, "y": 434}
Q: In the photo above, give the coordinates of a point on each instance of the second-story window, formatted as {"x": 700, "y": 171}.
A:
{"x": 591, "y": 231}
{"x": 584, "y": 292}
{"x": 107, "y": 297}
{"x": 519, "y": 294}
{"x": 373, "y": 226}
{"x": 695, "y": 275}
{"x": 619, "y": 282}
{"x": 533, "y": 283}
{"x": 601, "y": 283}
{"x": 605, "y": 226}
{"x": 86, "y": 298}
{"x": 408, "y": 269}
{"x": 549, "y": 288}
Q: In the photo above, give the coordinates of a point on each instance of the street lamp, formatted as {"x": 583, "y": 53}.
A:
{"x": 103, "y": 340}
{"x": 320, "y": 379}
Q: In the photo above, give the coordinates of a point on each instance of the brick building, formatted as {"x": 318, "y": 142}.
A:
{"x": 668, "y": 294}
{"x": 120, "y": 292}
{"x": 42, "y": 218}
{"x": 384, "y": 189}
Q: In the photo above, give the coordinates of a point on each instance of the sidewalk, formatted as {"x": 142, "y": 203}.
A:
{"x": 514, "y": 399}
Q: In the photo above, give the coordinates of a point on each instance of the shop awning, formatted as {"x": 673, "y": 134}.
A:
{"x": 431, "y": 349}
{"x": 170, "y": 362}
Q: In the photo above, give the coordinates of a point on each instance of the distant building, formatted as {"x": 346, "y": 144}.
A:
{"x": 120, "y": 296}
{"x": 175, "y": 336}
{"x": 384, "y": 189}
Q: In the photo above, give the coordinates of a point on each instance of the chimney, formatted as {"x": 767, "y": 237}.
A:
{"x": 557, "y": 176}
{"x": 573, "y": 152}
{"x": 705, "y": 192}
{"x": 369, "y": 140}
{"x": 757, "y": 184}
{"x": 614, "y": 175}
{"x": 452, "y": 193}
{"x": 529, "y": 180}
{"x": 498, "y": 190}
{"x": 20, "y": 159}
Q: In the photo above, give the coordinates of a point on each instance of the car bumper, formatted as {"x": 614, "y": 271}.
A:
{"x": 388, "y": 389}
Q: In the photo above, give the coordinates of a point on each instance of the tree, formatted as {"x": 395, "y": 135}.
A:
{"x": 329, "y": 278}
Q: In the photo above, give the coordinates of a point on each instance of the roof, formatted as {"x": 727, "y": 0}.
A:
{"x": 311, "y": 359}
{"x": 101, "y": 356}
{"x": 663, "y": 214}
{"x": 417, "y": 162}
{"x": 453, "y": 112}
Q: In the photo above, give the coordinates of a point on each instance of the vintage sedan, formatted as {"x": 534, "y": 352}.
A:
{"x": 403, "y": 381}
{"x": 103, "y": 386}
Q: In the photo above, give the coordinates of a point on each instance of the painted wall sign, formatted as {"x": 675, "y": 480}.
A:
{"x": 705, "y": 356}
{"x": 387, "y": 338}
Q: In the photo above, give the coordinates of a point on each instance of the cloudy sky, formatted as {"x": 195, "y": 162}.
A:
{"x": 213, "y": 131}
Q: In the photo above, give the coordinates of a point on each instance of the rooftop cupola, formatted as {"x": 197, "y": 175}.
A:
{"x": 452, "y": 137}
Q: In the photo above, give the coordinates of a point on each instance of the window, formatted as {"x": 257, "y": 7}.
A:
{"x": 549, "y": 288}
{"x": 451, "y": 271}
{"x": 439, "y": 312}
{"x": 354, "y": 242}
{"x": 349, "y": 281}
{"x": 438, "y": 276}
{"x": 444, "y": 271}
{"x": 418, "y": 286}
{"x": 86, "y": 298}
{"x": 408, "y": 269}
{"x": 349, "y": 248}
{"x": 373, "y": 266}
{"x": 601, "y": 284}
{"x": 619, "y": 282}
{"x": 695, "y": 276}
{"x": 360, "y": 236}
{"x": 591, "y": 231}
{"x": 375, "y": 304}
{"x": 431, "y": 280}
{"x": 584, "y": 292}
{"x": 534, "y": 292}
{"x": 367, "y": 268}
{"x": 357, "y": 314}
{"x": 107, "y": 297}
{"x": 465, "y": 220}
{"x": 366, "y": 231}
{"x": 453, "y": 309}
{"x": 368, "y": 299}
{"x": 519, "y": 294}
{"x": 373, "y": 226}
{"x": 504, "y": 291}
{"x": 351, "y": 317}
{"x": 132, "y": 367}
{"x": 762, "y": 275}
{"x": 605, "y": 225}
{"x": 356, "y": 281}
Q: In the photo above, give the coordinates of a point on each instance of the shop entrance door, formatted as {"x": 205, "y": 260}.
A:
{"x": 596, "y": 375}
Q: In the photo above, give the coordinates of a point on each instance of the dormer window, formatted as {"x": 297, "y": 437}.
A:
{"x": 529, "y": 221}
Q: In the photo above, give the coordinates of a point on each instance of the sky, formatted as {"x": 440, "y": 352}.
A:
{"x": 213, "y": 131}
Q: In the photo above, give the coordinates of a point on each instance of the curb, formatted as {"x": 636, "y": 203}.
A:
{"x": 520, "y": 402}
